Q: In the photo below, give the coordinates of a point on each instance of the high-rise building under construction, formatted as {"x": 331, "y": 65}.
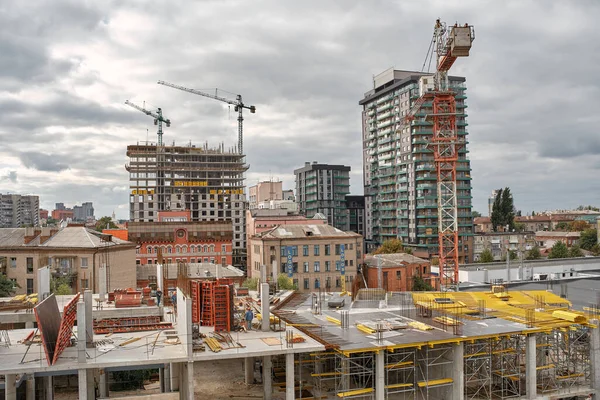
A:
{"x": 398, "y": 165}
{"x": 207, "y": 181}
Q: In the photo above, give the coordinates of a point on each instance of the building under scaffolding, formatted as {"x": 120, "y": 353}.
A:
{"x": 207, "y": 181}
{"x": 476, "y": 345}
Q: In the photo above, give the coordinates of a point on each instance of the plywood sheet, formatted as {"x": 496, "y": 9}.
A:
{"x": 48, "y": 320}
{"x": 271, "y": 341}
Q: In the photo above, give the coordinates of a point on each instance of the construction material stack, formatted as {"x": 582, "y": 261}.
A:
{"x": 212, "y": 303}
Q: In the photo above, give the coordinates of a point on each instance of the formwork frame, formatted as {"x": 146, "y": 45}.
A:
{"x": 355, "y": 376}
{"x": 572, "y": 347}
{"x": 478, "y": 369}
{"x": 325, "y": 366}
{"x": 434, "y": 370}
{"x": 400, "y": 374}
{"x": 546, "y": 362}
{"x": 507, "y": 358}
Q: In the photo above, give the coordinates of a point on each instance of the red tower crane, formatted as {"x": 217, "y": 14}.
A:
{"x": 448, "y": 44}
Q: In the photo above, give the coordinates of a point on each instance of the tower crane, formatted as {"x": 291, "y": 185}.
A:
{"x": 237, "y": 103}
{"x": 158, "y": 119}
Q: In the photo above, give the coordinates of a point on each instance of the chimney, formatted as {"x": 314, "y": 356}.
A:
{"x": 30, "y": 234}
{"x": 46, "y": 234}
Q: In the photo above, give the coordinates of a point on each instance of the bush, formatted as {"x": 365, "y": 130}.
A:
{"x": 285, "y": 283}
{"x": 486, "y": 256}
{"x": 250, "y": 283}
{"x": 534, "y": 253}
{"x": 419, "y": 285}
{"x": 63, "y": 289}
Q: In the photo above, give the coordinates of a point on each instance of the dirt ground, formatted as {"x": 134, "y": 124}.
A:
{"x": 224, "y": 379}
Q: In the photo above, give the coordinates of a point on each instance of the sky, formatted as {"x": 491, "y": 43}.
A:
{"x": 68, "y": 66}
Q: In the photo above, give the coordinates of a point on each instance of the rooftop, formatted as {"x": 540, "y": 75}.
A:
{"x": 69, "y": 237}
{"x": 303, "y": 231}
{"x": 392, "y": 260}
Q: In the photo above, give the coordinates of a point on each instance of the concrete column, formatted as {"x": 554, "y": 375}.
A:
{"x": 10, "y": 388}
{"x": 161, "y": 379}
{"x": 48, "y": 388}
{"x": 167, "y": 370}
{"x": 190, "y": 380}
{"x": 458, "y": 369}
{"x": 30, "y": 389}
{"x": 595, "y": 355}
{"x": 89, "y": 325}
{"x": 380, "y": 375}
{"x": 81, "y": 334}
{"x": 289, "y": 376}
{"x": 249, "y": 370}
{"x": 264, "y": 304}
{"x": 29, "y": 325}
{"x": 86, "y": 384}
{"x": 267, "y": 378}
{"x": 175, "y": 370}
{"x": 530, "y": 365}
{"x": 103, "y": 384}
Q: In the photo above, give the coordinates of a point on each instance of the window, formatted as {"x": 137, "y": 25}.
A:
{"x": 398, "y": 274}
{"x": 193, "y": 260}
{"x": 306, "y": 283}
{"x": 350, "y": 246}
{"x": 328, "y": 282}
{"x": 224, "y": 248}
{"x": 13, "y": 262}
{"x": 305, "y": 250}
{"x": 337, "y": 249}
{"x": 317, "y": 283}
{"x": 305, "y": 266}
{"x": 337, "y": 265}
{"x": 138, "y": 262}
{"x": 295, "y": 267}
{"x": 169, "y": 249}
{"x": 424, "y": 270}
{"x": 29, "y": 286}
{"x": 84, "y": 284}
{"x": 84, "y": 262}
{"x": 317, "y": 266}
{"x": 317, "y": 249}
{"x": 29, "y": 265}
{"x": 223, "y": 260}
{"x": 212, "y": 260}
{"x": 351, "y": 263}
{"x": 327, "y": 266}
{"x": 149, "y": 261}
{"x": 327, "y": 249}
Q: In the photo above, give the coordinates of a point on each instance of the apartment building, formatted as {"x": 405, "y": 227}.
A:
{"x": 263, "y": 192}
{"x": 315, "y": 256}
{"x": 500, "y": 243}
{"x": 73, "y": 252}
{"x": 209, "y": 182}
{"x": 84, "y": 212}
{"x": 397, "y": 272}
{"x": 322, "y": 188}
{"x": 398, "y": 167}
{"x": 19, "y": 210}
{"x": 356, "y": 214}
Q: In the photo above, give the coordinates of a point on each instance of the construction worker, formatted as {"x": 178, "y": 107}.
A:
{"x": 249, "y": 317}
{"x": 158, "y": 297}
{"x": 174, "y": 300}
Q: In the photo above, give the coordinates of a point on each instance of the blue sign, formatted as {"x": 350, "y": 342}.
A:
{"x": 342, "y": 260}
{"x": 290, "y": 263}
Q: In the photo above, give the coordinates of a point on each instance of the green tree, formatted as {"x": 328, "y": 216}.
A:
{"x": 496, "y": 217}
{"x": 520, "y": 226}
{"x": 391, "y": 246}
{"x": 250, "y": 283}
{"x": 559, "y": 250}
{"x": 63, "y": 289}
{"x": 419, "y": 285}
{"x": 578, "y": 226}
{"x": 486, "y": 256}
{"x": 575, "y": 251}
{"x": 508, "y": 209}
{"x": 595, "y": 249}
{"x": 534, "y": 253}
{"x": 562, "y": 226}
{"x": 588, "y": 238}
{"x": 284, "y": 282}
{"x": 512, "y": 254}
{"x": 105, "y": 223}
{"x": 7, "y": 287}
{"x": 476, "y": 214}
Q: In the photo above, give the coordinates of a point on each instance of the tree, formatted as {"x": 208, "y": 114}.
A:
{"x": 559, "y": 250}
{"x": 562, "y": 226}
{"x": 486, "y": 256}
{"x": 419, "y": 285}
{"x": 503, "y": 210}
{"x": 61, "y": 285}
{"x": 588, "y": 238}
{"x": 533, "y": 213}
{"x": 534, "y": 253}
{"x": 250, "y": 283}
{"x": 512, "y": 254}
{"x": 476, "y": 214}
{"x": 578, "y": 226}
{"x": 7, "y": 287}
{"x": 595, "y": 250}
{"x": 63, "y": 289}
{"x": 520, "y": 226}
{"x": 105, "y": 223}
{"x": 391, "y": 246}
{"x": 284, "y": 282}
{"x": 575, "y": 251}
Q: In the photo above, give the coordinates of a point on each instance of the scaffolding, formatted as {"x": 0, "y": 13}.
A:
{"x": 478, "y": 369}
{"x": 400, "y": 376}
{"x": 355, "y": 377}
{"x": 508, "y": 353}
{"x": 325, "y": 365}
{"x": 433, "y": 366}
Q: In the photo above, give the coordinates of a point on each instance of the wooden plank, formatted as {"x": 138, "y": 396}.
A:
{"x": 271, "y": 341}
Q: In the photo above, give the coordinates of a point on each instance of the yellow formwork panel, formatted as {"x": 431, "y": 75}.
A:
{"x": 435, "y": 382}
{"x": 355, "y": 392}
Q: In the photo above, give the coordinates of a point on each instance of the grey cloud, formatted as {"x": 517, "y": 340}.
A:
{"x": 42, "y": 162}
{"x": 11, "y": 177}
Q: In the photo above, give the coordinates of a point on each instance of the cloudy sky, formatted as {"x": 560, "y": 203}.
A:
{"x": 68, "y": 66}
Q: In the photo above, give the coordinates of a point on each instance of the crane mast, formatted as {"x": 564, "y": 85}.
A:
{"x": 237, "y": 103}
{"x": 158, "y": 119}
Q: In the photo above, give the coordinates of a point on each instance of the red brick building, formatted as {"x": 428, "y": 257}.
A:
{"x": 62, "y": 214}
{"x": 398, "y": 271}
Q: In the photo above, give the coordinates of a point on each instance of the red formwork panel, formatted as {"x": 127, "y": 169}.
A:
{"x": 48, "y": 321}
{"x": 66, "y": 327}
{"x": 195, "y": 293}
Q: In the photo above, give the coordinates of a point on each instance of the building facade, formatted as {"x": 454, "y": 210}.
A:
{"x": 322, "y": 188}
{"x": 17, "y": 210}
{"x": 209, "y": 182}
{"x": 500, "y": 243}
{"x": 75, "y": 253}
{"x": 398, "y": 167}
{"x": 316, "y": 255}
{"x": 397, "y": 272}
{"x": 264, "y": 191}
{"x": 356, "y": 214}
{"x": 84, "y": 212}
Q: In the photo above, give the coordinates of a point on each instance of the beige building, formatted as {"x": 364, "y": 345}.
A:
{"x": 316, "y": 254}
{"x": 72, "y": 252}
{"x": 264, "y": 191}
